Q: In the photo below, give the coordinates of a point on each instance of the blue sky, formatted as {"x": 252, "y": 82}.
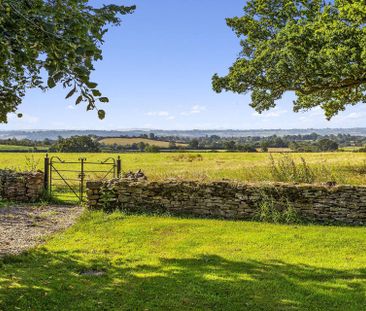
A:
{"x": 157, "y": 71}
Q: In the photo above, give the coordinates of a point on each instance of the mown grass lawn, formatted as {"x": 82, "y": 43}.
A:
{"x": 164, "y": 263}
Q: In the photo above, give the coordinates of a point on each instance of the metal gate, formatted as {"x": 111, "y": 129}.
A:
{"x": 66, "y": 179}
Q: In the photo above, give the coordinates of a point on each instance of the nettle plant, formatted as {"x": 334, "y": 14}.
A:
{"x": 44, "y": 43}
{"x": 108, "y": 197}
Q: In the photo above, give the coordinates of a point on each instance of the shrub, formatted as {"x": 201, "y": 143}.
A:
{"x": 152, "y": 148}
{"x": 246, "y": 148}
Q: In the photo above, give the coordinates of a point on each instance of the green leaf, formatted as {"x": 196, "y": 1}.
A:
{"x": 57, "y": 76}
{"x": 104, "y": 100}
{"x": 91, "y": 85}
{"x": 78, "y": 100}
{"x": 90, "y": 105}
{"x": 101, "y": 114}
{"x": 96, "y": 93}
{"x": 51, "y": 83}
{"x": 72, "y": 92}
{"x": 80, "y": 50}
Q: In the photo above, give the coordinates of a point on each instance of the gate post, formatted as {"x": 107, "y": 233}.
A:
{"x": 119, "y": 167}
{"x": 46, "y": 172}
{"x": 82, "y": 176}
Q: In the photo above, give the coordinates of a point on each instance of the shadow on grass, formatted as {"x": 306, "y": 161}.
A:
{"x": 40, "y": 280}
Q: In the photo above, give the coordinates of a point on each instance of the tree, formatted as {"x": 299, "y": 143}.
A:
{"x": 141, "y": 146}
{"x": 152, "y": 148}
{"x": 194, "y": 143}
{"x": 314, "y": 48}
{"x": 326, "y": 144}
{"x": 264, "y": 145}
{"x": 48, "y": 42}
{"x": 246, "y": 148}
{"x": 321, "y": 145}
{"x": 76, "y": 144}
{"x": 230, "y": 145}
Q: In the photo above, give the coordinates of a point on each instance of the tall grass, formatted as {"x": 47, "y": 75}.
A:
{"x": 285, "y": 169}
{"x": 268, "y": 211}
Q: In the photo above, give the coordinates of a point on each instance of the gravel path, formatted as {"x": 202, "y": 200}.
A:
{"x": 23, "y": 227}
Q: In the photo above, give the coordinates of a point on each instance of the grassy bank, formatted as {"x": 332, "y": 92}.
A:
{"x": 119, "y": 262}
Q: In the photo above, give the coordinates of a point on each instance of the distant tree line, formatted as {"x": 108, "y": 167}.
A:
{"x": 134, "y": 147}
{"x": 253, "y": 144}
{"x": 19, "y": 142}
{"x": 297, "y": 143}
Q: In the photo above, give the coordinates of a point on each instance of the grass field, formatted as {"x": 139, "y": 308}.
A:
{"x": 343, "y": 167}
{"x": 163, "y": 263}
{"x": 124, "y": 141}
{"x": 276, "y": 150}
{"x": 351, "y": 148}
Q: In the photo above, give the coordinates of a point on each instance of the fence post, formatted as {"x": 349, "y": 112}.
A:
{"x": 119, "y": 167}
{"x": 82, "y": 175}
{"x": 46, "y": 172}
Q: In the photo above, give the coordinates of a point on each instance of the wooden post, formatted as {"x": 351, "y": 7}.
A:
{"x": 119, "y": 167}
{"x": 46, "y": 172}
{"x": 82, "y": 176}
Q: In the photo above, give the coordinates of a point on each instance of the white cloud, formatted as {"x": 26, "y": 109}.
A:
{"x": 71, "y": 107}
{"x": 158, "y": 113}
{"x": 161, "y": 114}
{"x": 194, "y": 110}
{"x": 354, "y": 116}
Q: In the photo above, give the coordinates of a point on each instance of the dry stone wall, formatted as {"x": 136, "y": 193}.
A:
{"x": 21, "y": 186}
{"x": 228, "y": 200}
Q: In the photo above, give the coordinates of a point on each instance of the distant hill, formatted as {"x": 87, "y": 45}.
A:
{"x": 124, "y": 141}
{"x": 54, "y": 134}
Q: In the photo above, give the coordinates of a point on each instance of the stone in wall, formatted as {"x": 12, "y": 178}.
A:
{"x": 21, "y": 186}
